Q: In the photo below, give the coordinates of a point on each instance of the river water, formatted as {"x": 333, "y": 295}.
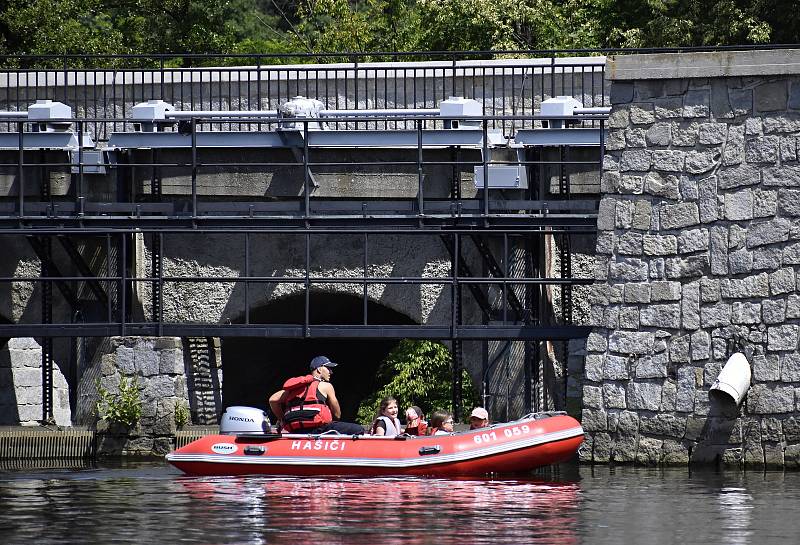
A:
{"x": 570, "y": 504}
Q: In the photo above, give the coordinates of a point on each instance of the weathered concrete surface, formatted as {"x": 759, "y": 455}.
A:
{"x": 697, "y": 237}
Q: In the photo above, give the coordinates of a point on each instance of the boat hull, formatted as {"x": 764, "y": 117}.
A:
{"x": 514, "y": 447}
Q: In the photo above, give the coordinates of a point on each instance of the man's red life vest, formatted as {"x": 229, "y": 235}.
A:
{"x": 304, "y": 407}
{"x": 419, "y": 429}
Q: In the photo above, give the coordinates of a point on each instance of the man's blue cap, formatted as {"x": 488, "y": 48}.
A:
{"x": 321, "y": 361}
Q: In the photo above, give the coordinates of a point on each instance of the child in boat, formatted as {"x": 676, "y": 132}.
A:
{"x": 441, "y": 423}
{"x": 479, "y": 418}
{"x": 386, "y": 422}
{"x": 415, "y": 421}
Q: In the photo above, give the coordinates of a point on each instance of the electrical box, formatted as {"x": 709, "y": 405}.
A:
{"x": 460, "y": 107}
{"x": 559, "y": 106}
{"x": 43, "y": 112}
{"x": 145, "y": 114}
{"x": 503, "y": 177}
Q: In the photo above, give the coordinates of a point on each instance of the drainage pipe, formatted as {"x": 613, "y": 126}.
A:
{"x": 733, "y": 381}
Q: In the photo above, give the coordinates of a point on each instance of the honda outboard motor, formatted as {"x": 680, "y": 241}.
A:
{"x": 238, "y": 420}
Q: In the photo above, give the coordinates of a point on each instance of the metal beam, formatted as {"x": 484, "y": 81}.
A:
{"x": 472, "y": 332}
{"x": 39, "y": 248}
{"x": 44, "y": 140}
{"x": 84, "y": 269}
{"x": 558, "y": 137}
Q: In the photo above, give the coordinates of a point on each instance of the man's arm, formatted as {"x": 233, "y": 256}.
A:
{"x": 275, "y": 405}
{"x": 333, "y": 403}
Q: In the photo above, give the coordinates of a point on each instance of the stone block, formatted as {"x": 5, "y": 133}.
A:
{"x": 696, "y": 103}
{"x": 619, "y": 118}
{"x": 125, "y": 360}
{"x": 701, "y": 161}
{"x": 665, "y": 316}
{"x": 593, "y": 367}
{"x": 678, "y": 216}
{"x": 614, "y": 395}
{"x": 661, "y": 186}
{"x": 768, "y": 232}
{"x": 708, "y": 199}
{"x": 642, "y": 215}
{"x": 596, "y": 342}
{"x": 771, "y": 96}
{"x": 171, "y": 361}
{"x": 628, "y": 270}
{"x": 667, "y": 425}
{"x": 657, "y": 269}
{"x": 592, "y": 397}
{"x": 631, "y": 342}
{"x": 709, "y": 290}
{"x": 649, "y": 451}
{"x": 600, "y": 268}
{"x": 712, "y": 133}
{"x": 761, "y": 149}
{"x": 782, "y": 281}
{"x": 636, "y": 160}
{"x": 739, "y": 205}
{"x": 652, "y": 366}
{"x": 147, "y": 362}
{"x": 737, "y": 237}
{"x": 642, "y": 113}
{"x": 782, "y": 337}
{"x": 685, "y": 390}
{"x": 782, "y": 176}
{"x": 624, "y": 449}
{"x": 693, "y": 240}
{"x": 635, "y": 137}
{"x": 679, "y": 349}
{"x": 593, "y": 420}
{"x": 745, "y": 288}
{"x": 767, "y": 258}
{"x": 773, "y": 311}
{"x": 789, "y": 202}
{"x": 767, "y": 367}
{"x": 716, "y": 315}
{"x": 26, "y": 377}
{"x": 770, "y": 399}
{"x": 158, "y": 388}
{"x": 662, "y": 160}
{"x": 700, "y": 346}
{"x": 740, "y": 262}
{"x": 623, "y": 214}
{"x": 791, "y": 254}
{"x": 665, "y": 291}
{"x": 745, "y": 313}
{"x": 739, "y": 176}
{"x": 734, "y": 147}
{"x": 687, "y": 267}
{"x": 601, "y": 448}
{"x": 616, "y": 368}
{"x": 606, "y": 214}
{"x": 660, "y": 245}
{"x": 621, "y": 92}
{"x": 788, "y": 148}
{"x": 669, "y": 396}
{"x": 741, "y": 101}
{"x": 675, "y": 453}
{"x": 793, "y": 306}
{"x": 629, "y": 244}
{"x": 791, "y": 429}
{"x": 668, "y": 108}
{"x": 660, "y": 134}
{"x": 637, "y": 293}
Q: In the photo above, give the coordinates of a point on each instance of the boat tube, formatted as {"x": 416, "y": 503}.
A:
{"x": 533, "y": 441}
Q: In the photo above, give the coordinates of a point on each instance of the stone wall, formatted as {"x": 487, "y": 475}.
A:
{"x": 698, "y": 255}
{"x": 21, "y": 385}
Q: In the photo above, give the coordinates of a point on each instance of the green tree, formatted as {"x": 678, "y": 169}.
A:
{"x": 416, "y": 373}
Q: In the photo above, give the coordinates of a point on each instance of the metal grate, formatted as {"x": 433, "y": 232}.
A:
{"x": 184, "y": 437}
{"x": 21, "y": 444}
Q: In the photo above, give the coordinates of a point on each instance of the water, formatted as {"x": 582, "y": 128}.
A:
{"x": 153, "y": 503}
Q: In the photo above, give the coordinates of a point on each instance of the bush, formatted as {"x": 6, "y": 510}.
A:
{"x": 416, "y": 373}
{"x": 181, "y": 413}
{"x": 124, "y": 407}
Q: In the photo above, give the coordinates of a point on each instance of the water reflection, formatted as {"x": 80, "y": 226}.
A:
{"x": 395, "y": 510}
{"x": 153, "y": 503}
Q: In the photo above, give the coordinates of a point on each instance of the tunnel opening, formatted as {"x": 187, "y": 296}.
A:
{"x": 254, "y": 368}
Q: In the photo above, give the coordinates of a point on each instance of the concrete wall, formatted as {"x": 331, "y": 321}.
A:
{"x": 698, "y": 253}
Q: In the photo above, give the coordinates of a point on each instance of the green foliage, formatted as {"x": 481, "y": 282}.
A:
{"x": 182, "y": 415}
{"x": 124, "y": 407}
{"x": 416, "y": 373}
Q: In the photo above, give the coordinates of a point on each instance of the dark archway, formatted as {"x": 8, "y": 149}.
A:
{"x": 254, "y": 368}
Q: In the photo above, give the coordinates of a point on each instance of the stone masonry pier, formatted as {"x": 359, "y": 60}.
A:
{"x": 698, "y": 256}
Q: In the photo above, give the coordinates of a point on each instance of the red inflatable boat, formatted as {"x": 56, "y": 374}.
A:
{"x": 533, "y": 441}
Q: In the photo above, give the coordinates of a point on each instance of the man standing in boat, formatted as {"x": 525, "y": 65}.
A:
{"x": 308, "y": 404}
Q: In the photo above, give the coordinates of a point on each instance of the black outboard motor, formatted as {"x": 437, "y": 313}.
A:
{"x": 244, "y": 420}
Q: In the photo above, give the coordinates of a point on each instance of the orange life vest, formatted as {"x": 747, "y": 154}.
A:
{"x": 304, "y": 407}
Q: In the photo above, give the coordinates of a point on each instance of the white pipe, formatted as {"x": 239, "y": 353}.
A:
{"x": 733, "y": 381}
{"x": 220, "y": 113}
{"x": 601, "y": 110}
{"x": 386, "y": 112}
{"x": 13, "y": 115}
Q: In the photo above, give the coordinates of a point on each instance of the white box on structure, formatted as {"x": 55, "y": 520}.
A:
{"x": 559, "y": 106}
{"x": 45, "y": 110}
{"x": 503, "y": 177}
{"x": 460, "y": 107}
